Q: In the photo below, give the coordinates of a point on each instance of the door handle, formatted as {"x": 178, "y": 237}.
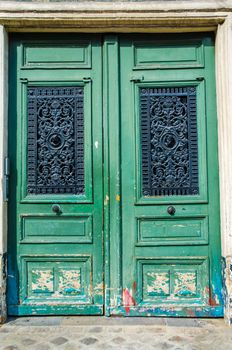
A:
{"x": 171, "y": 210}
{"x": 56, "y": 209}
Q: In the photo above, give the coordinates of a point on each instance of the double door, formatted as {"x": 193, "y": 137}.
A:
{"x": 114, "y": 203}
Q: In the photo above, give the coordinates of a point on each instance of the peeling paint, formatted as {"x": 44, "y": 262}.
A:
{"x": 42, "y": 281}
{"x": 106, "y": 200}
{"x": 185, "y": 283}
{"x": 227, "y": 283}
{"x": 190, "y": 313}
{"x": 116, "y": 296}
{"x": 96, "y": 144}
{"x": 98, "y": 289}
{"x": 134, "y": 286}
{"x": 117, "y": 198}
{"x": 212, "y": 300}
{"x": 158, "y": 283}
{"x": 69, "y": 281}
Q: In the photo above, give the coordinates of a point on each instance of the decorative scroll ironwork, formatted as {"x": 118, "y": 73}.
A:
{"x": 55, "y": 162}
{"x": 169, "y": 141}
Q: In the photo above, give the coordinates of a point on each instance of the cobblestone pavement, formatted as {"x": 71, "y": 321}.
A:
{"x": 74, "y": 333}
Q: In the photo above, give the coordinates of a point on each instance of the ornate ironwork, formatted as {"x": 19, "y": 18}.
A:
{"x": 169, "y": 141}
{"x": 55, "y": 162}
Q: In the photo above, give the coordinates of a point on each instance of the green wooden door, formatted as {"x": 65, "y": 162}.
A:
{"x": 161, "y": 202}
{"x": 169, "y": 180}
{"x": 55, "y": 260}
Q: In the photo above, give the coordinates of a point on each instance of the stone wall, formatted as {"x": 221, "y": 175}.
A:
{"x": 2, "y": 288}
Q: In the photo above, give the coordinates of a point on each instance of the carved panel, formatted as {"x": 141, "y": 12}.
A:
{"x": 170, "y": 281}
{"x": 69, "y": 281}
{"x": 42, "y": 281}
{"x": 55, "y": 162}
{"x": 158, "y": 283}
{"x": 49, "y": 279}
{"x": 169, "y": 141}
{"x": 185, "y": 283}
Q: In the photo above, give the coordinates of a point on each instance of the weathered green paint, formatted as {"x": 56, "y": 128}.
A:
{"x": 55, "y": 261}
{"x": 170, "y": 264}
{"x": 154, "y": 263}
{"x": 112, "y": 208}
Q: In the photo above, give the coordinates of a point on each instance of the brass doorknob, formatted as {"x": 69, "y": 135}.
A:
{"x": 56, "y": 209}
{"x": 171, "y": 210}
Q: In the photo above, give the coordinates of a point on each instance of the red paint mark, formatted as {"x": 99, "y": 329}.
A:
{"x": 212, "y": 300}
{"x": 134, "y": 286}
{"x": 190, "y": 313}
{"x": 128, "y": 300}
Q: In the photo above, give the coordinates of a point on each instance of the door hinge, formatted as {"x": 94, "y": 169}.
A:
{"x": 6, "y": 179}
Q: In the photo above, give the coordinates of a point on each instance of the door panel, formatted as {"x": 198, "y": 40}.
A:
{"x": 55, "y": 243}
{"x": 170, "y": 199}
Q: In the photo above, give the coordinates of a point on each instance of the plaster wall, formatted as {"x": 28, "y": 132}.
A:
{"x": 153, "y": 16}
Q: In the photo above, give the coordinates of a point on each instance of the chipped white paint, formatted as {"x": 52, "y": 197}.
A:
{"x": 228, "y": 290}
{"x": 185, "y": 283}
{"x": 158, "y": 283}
{"x": 69, "y": 281}
{"x": 98, "y": 289}
{"x": 42, "y": 281}
{"x": 96, "y": 144}
{"x": 106, "y": 200}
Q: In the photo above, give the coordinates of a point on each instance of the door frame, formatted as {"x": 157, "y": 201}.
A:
{"x": 142, "y": 18}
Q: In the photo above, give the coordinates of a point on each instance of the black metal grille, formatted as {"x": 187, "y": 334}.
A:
{"x": 169, "y": 141}
{"x": 55, "y": 162}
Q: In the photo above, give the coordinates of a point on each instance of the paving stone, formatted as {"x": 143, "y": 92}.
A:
{"x": 105, "y": 347}
{"x": 96, "y": 330}
{"x": 71, "y": 346}
{"x": 164, "y": 346}
{"x": 119, "y": 334}
{"x": 5, "y": 330}
{"x": 176, "y": 338}
{"x": 183, "y": 322}
{"x": 89, "y": 340}
{"x": 35, "y": 321}
{"x": 114, "y": 329}
{"x": 42, "y": 346}
{"x": 118, "y": 340}
{"x": 28, "y": 341}
{"x": 59, "y": 341}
